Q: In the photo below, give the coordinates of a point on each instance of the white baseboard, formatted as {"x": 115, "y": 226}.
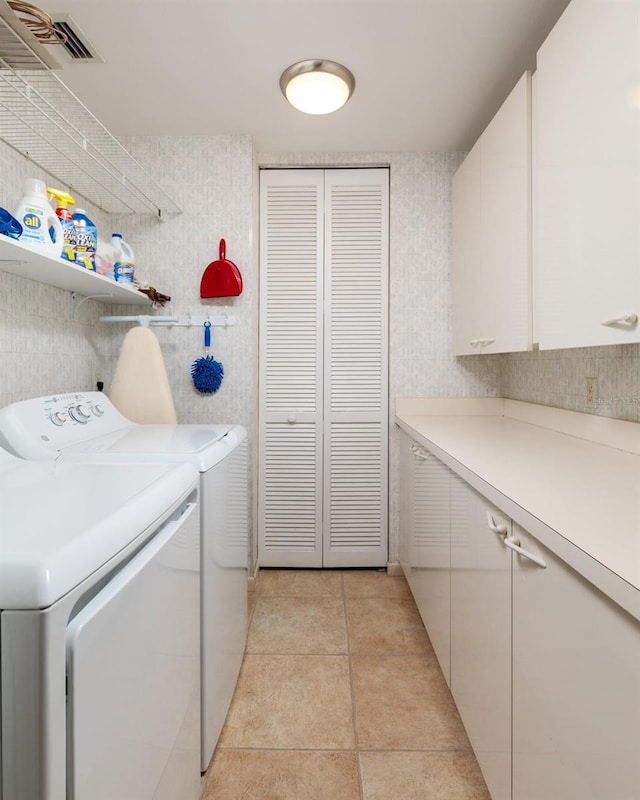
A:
{"x": 252, "y": 580}
{"x": 394, "y": 569}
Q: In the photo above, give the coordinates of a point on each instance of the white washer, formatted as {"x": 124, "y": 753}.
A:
{"x": 99, "y": 607}
{"x": 86, "y": 427}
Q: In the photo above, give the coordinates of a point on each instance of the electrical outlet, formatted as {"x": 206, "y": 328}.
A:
{"x": 591, "y": 390}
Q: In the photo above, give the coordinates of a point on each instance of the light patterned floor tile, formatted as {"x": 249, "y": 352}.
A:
{"x": 403, "y": 703}
{"x": 298, "y": 702}
{"x": 282, "y": 775}
{"x": 421, "y": 776}
{"x": 386, "y": 626}
{"x": 309, "y": 625}
{"x": 300, "y": 583}
{"x": 367, "y": 583}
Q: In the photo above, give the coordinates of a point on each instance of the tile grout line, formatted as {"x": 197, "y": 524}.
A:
{"x": 353, "y": 696}
{"x": 247, "y": 749}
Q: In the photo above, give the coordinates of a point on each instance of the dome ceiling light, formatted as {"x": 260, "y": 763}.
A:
{"x": 317, "y": 86}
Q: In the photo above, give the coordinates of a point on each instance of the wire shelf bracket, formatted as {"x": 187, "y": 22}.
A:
{"x": 42, "y": 119}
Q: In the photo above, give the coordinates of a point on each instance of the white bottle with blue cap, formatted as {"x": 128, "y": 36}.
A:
{"x": 125, "y": 263}
{"x": 40, "y": 226}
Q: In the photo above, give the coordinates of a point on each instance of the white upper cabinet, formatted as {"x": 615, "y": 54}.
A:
{"x": 586, "y": 177}
{"x": 492, "y": 234}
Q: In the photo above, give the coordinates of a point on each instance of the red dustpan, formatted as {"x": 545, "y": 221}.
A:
{"x": 221, "y": 278}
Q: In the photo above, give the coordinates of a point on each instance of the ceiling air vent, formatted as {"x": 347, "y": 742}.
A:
{"x": 78, "y": 47}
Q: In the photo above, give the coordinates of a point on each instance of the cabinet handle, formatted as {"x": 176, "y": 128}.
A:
{"x": 481, "y": 342}
{"x": 420, "y": 453}
{"x": 494, "y": 526}
{"x": 630, "y": 320}
{"x": 512, "y": 544}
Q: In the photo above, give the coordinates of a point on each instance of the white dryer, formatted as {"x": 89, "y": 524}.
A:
{"x": 99, "y": 607}
{"x": 86, "y": 427}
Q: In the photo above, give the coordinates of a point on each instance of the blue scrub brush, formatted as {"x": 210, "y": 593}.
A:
{"x": 206, "y": 372}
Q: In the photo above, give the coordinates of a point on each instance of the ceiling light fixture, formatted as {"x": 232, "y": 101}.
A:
{"x": 317, "y": 86}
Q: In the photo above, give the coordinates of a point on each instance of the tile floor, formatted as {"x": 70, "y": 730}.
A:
{"x": 340, "y": 697}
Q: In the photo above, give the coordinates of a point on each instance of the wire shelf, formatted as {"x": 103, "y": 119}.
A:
{"x": 41, "y": 118}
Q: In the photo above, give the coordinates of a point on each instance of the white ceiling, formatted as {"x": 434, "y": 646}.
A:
{"x": 429, "y": 74}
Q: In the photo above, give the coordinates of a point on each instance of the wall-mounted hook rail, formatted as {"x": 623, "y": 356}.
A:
{"x": 221, "y": 320}
{"x": 145, "y": 320}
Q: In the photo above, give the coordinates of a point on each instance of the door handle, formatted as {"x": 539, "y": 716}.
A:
{"x": 292, "y": 419}
{"x": 514, "y": 545}
{"x": 481, "y": 342}
{"x": 494, "y": 526}
{"x": 629, "y": 320}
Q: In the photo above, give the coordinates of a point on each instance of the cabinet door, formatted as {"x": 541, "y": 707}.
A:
{"x": 406, "y": 498}
{"x": 576, "y": 686}
{"x": 587, "y": 176}
{"x": 428, "y": 549}
{"x": 467, "y": 252}
{"x": 492, "y": 234}
{"x": 481, "y": 631}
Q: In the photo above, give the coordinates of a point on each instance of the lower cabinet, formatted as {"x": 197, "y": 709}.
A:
{"x": 425, "y": 525}
{"x": 576, "y": 685}
{"x": 481, "y": 631}
{"x": 544, "y": 668}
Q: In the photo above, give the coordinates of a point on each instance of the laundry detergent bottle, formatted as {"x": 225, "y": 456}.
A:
{"x": 41, "y": 227}
{"x": 125, "y": 263}
{"x": 65, "y": 200}
{"x": 86, "y": 240}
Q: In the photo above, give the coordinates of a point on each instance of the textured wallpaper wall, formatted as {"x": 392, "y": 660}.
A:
{"x": 214, "y": 181}
{"x": 559, "y": 378}
{"x": 45, "y": 346}
{"x": 211, "y": 179}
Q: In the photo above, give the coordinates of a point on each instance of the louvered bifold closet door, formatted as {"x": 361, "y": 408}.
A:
{"x": 291, "y": 270}
{"x": 356, "y": 367}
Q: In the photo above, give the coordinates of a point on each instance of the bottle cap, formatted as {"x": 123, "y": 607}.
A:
{"x": 118, "y": 235}
{"x": 33, "y": 186}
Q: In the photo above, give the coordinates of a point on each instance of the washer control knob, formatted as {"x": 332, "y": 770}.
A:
{"x": 58, "y": 417}
{"x": 80, "y": 413}
{"x": 98, "y": 410}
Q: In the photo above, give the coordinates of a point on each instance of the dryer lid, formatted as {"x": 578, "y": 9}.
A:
{"x": 59, "y": 523}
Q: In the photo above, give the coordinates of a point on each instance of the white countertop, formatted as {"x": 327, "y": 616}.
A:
{"x": 579, "y": 497}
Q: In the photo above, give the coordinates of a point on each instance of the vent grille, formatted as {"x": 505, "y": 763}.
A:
{"x": 77, "y": 46}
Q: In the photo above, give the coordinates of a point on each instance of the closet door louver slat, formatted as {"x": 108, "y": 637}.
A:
{"x": 292, "y": 510}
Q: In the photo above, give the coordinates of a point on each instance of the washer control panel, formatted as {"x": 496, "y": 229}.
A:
{"x": 76, "y": 412}
{"x": 40, "y": 427}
